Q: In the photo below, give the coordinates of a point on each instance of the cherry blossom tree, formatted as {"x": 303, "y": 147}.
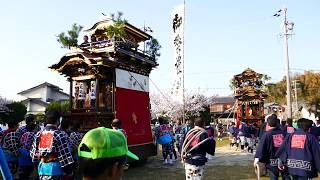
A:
{"x": 163, "y": 105}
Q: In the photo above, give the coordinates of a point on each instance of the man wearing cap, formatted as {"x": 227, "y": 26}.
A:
{"x": 51, "y": 150}
{"x": 102, "y": 154}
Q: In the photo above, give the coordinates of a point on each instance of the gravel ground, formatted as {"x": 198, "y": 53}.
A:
{"x": 226, "y": 164}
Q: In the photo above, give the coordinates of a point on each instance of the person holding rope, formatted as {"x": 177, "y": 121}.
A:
{"x": 195, "y": 146}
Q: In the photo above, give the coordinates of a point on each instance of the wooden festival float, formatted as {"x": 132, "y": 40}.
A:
{"x": 109, "y": 78}
{"x": 250, "y": 97}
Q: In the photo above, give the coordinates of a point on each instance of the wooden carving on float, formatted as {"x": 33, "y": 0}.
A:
{"x": 250, "y": 94}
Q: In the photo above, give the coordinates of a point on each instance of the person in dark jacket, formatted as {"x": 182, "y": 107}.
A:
{"x": 267, "y": 148}
{"x": 232, "y": 131}
{"x": 10, "y": 146}
{"x": 242, "y": 134}
{"x": 195, "y": 156}
{"x": 300, "y": 152}
{"x": 27, "y": 134}
{"x": 51, "y": 150}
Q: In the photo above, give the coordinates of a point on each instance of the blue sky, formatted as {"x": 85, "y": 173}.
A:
{"x": 222, "y": 39}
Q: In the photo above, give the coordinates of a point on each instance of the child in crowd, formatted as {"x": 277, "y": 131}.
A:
{"x": 165, "y": 137}
{"x": 116, "y": 125}
{"x": 220, "y": 130}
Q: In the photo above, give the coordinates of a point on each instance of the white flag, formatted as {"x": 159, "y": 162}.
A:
{"x": 178, "y": 44}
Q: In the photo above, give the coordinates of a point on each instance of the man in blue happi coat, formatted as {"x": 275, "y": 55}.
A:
{"x": 300, "y": 152}
{"x": 270, "y": 142}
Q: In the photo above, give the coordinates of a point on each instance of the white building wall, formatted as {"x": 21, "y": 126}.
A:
{"x": 27, "y": 104}
{"x": 46, "y": 94}
{"x": 37, "y": 93}
{"x": 56, "y": 95}
{"x": 36, "y": 108}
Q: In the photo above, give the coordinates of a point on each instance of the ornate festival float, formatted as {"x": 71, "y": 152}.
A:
{"x": 250, "y": 95}
{"x": 109, "y": 78}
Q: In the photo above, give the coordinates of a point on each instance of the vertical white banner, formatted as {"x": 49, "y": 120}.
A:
{"x": 178, "y": 44}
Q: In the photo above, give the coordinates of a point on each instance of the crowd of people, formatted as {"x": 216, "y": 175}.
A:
{"x": 292, "y": 152}
{"x": 58, "y": 150}
{"x": 244, "y": 136}
{"x": 194, "y": 142}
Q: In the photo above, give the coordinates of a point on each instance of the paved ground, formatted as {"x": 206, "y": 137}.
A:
{"x": 226, "y": 164}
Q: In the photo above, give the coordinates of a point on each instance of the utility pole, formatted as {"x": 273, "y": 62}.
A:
{"x": 296, "y": 93}
{"x": 288, "y": 27}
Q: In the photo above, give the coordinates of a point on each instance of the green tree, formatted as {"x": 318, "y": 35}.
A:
{"x": 70, "y": 39}
{"x": 16, "y": 112}
{"x": 277, "y": 92}
{"x": 153, "y": 47}
{"x": 307, "y": 91}
{"x": 40, "y": 118}
{"x": 63, "y": 107}
{"x": 117, "y": 29}
{"x": 309, "y": 88}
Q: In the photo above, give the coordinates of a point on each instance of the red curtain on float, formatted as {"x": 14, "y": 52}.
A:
{"x": 132, "y": 108}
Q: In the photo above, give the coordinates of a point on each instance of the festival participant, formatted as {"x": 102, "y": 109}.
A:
{"x": 256, "y": 134}
{"x": 51, "y": 150}
{"x": 264, "y": 128}
{"x": 232, "y": 131}
{"x": 116, "y": 125}
{"x": 10, "y": 146}
{"x": 210, "y": 131}
{"x": 267, "y": 148}
{"x": 102, "y": 154}
{"x": 75, "y": 138}
{"x": 220, "y": 130}
{"x": 85, "y": 41}
{"x": 30, "y": 124}
{"x": 300, "y": 152}
{"x": 189, "y": 125}
{"x": 196, "y": 145}
{"x": 26, "y": 140}
{"x": 164, "y": 137}
{"x": 250, "y": 136}
{"x": 242, "y": 135}
{"x": 178, "y": 133}
{"x": 289, "y": 129}
{"x": 314, "y": 130}
{"x": 171, "y": 126}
